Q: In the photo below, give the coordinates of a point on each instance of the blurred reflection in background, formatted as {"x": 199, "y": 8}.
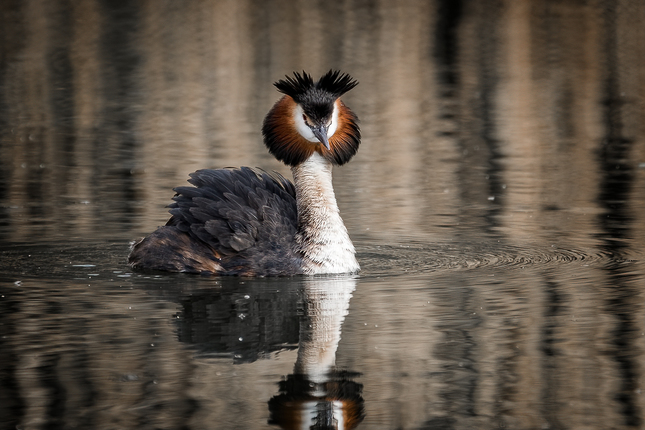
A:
{"x": 497, "y": 204}
{"x": 516, "y": 119}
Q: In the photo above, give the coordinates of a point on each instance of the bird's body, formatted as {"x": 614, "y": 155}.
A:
{"x": 251, "y": 223}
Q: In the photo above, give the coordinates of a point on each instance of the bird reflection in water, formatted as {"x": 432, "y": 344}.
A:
{"x": 317, "y": 395}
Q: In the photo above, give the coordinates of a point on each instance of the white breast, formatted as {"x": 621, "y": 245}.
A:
{"x": 322, "y": 236}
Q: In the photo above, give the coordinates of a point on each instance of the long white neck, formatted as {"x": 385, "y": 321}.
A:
{"x": 322, "y": 237}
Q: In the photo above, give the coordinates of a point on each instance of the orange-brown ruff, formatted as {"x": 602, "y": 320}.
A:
{"x": 249, "y": 222}
{"x": 279, "y": 126}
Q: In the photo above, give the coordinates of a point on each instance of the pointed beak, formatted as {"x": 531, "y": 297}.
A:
{"x": 321, "y": 134}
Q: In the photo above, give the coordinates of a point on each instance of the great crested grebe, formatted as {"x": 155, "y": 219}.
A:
{"x": 252, "y": 223}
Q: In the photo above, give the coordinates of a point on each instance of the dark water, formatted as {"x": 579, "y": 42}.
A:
{"x": 497, "y": 204}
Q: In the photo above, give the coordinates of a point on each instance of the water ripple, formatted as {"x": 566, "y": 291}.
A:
{"x": 108, "y": 260}
{"x": 384, "y": 260}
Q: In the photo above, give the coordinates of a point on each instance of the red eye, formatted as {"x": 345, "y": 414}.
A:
{"x": 304, "y": 118}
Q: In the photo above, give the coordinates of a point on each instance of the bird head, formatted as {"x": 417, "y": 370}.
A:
{"x": 312, "y": 118}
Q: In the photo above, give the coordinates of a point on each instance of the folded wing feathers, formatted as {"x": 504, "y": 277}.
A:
{"x": 233, "y": 210}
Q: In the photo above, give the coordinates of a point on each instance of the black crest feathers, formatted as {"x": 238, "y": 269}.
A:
{"x": 302, "y": 87}
{"x": 318, "y": 101}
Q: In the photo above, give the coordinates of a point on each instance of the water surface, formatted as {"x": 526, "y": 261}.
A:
{"x": 497, "y": 204}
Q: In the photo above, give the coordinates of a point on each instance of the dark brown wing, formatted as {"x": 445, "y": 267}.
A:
{"x": 246, "y": 218}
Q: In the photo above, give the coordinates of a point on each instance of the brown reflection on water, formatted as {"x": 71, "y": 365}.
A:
{"x": 482, "y": 118}
{"x": 523, "y": 348}
{"x": 495, "y": 123}
{"x": 74, "y": 356}
{"x": 518, "y": 347}
{"x": 477, "y": 117}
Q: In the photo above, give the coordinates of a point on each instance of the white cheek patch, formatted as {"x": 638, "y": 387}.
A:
{"x": 303, "y": 128}
{"x": 334, "y": 121}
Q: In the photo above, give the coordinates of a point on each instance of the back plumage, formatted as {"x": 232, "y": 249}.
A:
{"x": 239, "y": 222}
